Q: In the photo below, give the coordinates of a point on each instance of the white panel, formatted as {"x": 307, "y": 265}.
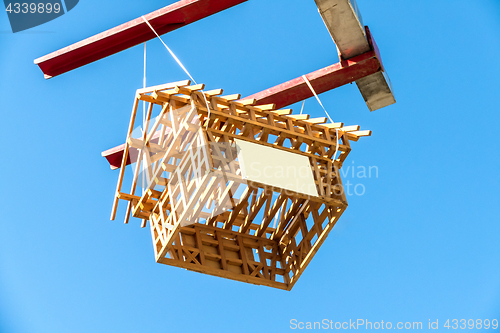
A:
{"x": 276, "y": 167}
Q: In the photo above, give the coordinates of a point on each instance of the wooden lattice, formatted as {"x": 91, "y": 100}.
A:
{"x": 203, "y": 215}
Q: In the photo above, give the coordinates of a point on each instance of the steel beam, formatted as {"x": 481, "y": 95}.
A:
{"x": 345, "y": 25}
{"x": 129, "y": 34}
{"x": 322, "y": 80}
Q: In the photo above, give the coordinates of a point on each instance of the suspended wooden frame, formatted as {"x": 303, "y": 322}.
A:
{"x": 203, "y": 213}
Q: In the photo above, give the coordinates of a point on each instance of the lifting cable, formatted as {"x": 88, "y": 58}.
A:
{"x": 319, "y": 101}
{"x": 178, "y": 62}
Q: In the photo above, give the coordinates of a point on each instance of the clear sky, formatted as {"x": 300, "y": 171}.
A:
{"x": 420, "y": 244}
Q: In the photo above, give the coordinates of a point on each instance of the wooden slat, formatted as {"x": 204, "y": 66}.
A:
{"x": 214, "y": 92}
{"x": 243, "y": 102}
{"x": 282, "y": 112}
{"x": 361, "y": 133}
{"x": 332, "y": 125}
{"x": 161, "y": 87}
{"x": 128, "y": 197}
{"x": 232, "y": 97}
{"x": 319, "y": 120}
{"x": 265, "y": 107}
{"x": 299, "y": 116}
{"x": 350, "y": 128}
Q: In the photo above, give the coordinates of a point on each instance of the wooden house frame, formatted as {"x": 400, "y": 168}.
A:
{"x": 203, "y": 215}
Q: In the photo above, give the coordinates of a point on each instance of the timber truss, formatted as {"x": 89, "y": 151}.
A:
{"x": 204, "y": 216}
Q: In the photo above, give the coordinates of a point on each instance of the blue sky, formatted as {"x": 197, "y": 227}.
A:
{"x": 421, "y": 243}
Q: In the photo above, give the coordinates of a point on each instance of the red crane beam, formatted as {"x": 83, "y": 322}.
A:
{"x": 322, "y": 80}
{"x": 296, "y": 90}
{"x": 129, "y": 34}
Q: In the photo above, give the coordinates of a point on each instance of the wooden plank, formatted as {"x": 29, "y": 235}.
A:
{"x": 136, "y": 173}
{"x": 124, "y": 160}
{"x": 189, "y": 89}
{"x": 224, "y": 274}
{"x": 275, "y": 208}
{"x": 236, "y": 210}
{"x": 319, "y": 120}
{"x": 267, "y": 144}
{"x": 128, "y": 197}
{"x": 232, "y": 97}
{"x": 254, "y": 210}
{"x": 299, "y": 116}
{"x": 350, "y": 128}
{"x": 319, "y": 178}
{"x": 164, "y": 86}
{"x": 361, "y": 133}
{"x": 265, "y": 107}
{"x": 243, "y": 254}
{"x": 220, "y": 247}
{"x": 282, "y": 112}
{"x": 214, "y": 92}
{"x": 332, "y": 125}
{"x": 243, "y": 102}
{"x": 265, "y": 125}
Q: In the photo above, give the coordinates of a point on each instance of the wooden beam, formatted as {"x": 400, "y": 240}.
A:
{"x": 232, "y": 97}
{"x": 162, "y": 87}
{"x": 319, "y": 120}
